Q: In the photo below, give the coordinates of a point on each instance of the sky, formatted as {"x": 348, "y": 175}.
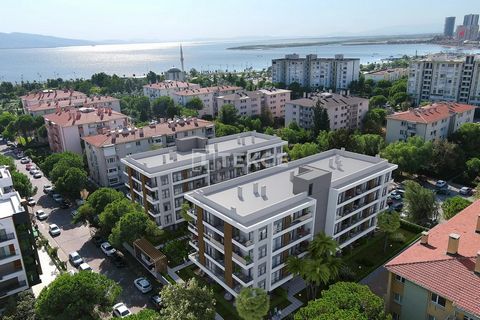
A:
{"x": 176, "y": 20}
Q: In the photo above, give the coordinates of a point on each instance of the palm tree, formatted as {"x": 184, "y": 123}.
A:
{"x": 322, "y": 245}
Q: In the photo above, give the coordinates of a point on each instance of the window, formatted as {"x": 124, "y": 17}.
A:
{"x": 397, "y": 297}
{"x": 164, "y": 180}
{"x": 111, "y": 160}
{"x": 310, "y": 189}
{"x": 165, "y": 193}
{"x": 262, "y": 251}
{"x": 263, "y": 233}
{"x": 168, "y": 219}
{"x": 399, "y": 278}
{"x": 438, "y": 300}
{"x": 262, "y": 269}
{"x": 261, "y": 284}
{"x": 167, "y": 206}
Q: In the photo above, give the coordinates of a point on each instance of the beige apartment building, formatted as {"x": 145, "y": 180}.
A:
{"x": 167, "y": 88}
{"x": 247, "y": 103}
{"x": 34, "y": 99}
{"x": 387, "y": 74}
{"x": 275, "y": 100}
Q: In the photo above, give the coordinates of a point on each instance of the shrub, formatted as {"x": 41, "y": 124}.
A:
{"x": 412, "y": 227}
{"x": 398, "y": 237}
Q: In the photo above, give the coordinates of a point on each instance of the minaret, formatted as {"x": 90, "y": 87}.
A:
{"x": 181, "y": 57}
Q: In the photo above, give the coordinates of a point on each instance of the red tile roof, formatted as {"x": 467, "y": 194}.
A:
{"x": 431, "y": 113}
{"x": 159, "y": 129}
{"x": 219, "y": 89}
{"x": 77, "y": 117}
{"x": 77, "y": 102}
{"x": 451, "y": 276}
{"x": 51, "y": 95}
{"x": 171, "y": 84}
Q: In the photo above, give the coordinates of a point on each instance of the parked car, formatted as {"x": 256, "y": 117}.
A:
{"x": 118, "y": 260}
{"x": 444, "y": 191}
{"x": 41, "y": 215}
{"x": 37, "y": 175}
{"x": 397, "y": 206}
{"x": 47, "y": 188}
{"x": 74, "y": 213}
{"x": 395, "y": 195}
{"x": 33, "y": 170}
{"x": 441, "y": 184}
{"x": 143, "y": 285}
{"x": 465, "y": 191}
{"x": 84, "y": 267}
{"x": 75, "y": 258}
{"x": 24, "y": 160}
{"x": 98, "y": 240}
{"x": 107, "y": 248}
{"x": 29, "y": 166}
{"x": 58, "y": 198}
{"x": 120, "y": 310}
{"x": 54, "y": 230}
{"x": 65, "y": 204}
{"x": 72, "y": 271}
{"x": 157, "y": 301}
{"x": 31, "y": 201}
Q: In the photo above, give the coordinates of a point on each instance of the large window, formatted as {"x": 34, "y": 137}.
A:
{"x": 399, "y": 278}
{"x": 263, "y": 233}
{"x": 441, "y": 301}
{"x": 397, "y": 297}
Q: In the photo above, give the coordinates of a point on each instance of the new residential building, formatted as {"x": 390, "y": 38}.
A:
{"x": 344, "y": 111}
{"x": 326, "y": 73}
{"x": 19, "y": 264}
{"x": 34, "y": 99}
{"x": 96, "y": 102}
{"x": 387, "y": 74}
{"x": 66, "y": 128}
{"x": 445, "y": 77}
{"x": 159, "y": 179}
{"x": 104, "y": 151}
{"x": 438, "y": 277}
{"x": 243, "y": 230}
{"x": 431, "y": 122}
{"x": 167, "y": 88}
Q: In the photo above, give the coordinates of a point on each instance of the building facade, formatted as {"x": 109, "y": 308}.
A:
{"x": 387, "y": 74}
{"x": 243, "y": 230}
{"x": 444, "y": 77}
{"x": 66, "y": 128}
{"x": 449, "y": 27}
{"x": 438, "y": 277}
{"x": 275, "y": 100}
{"x": 313, "y": 72}
{"x": 469, "y": 29}
{"x": 247, "y": 103}
{"x": 44, "y": 97}
{"x": 19, "y": 264}
{"x": 159, "y": 179}
{"x": 167, "y": 88}
{"x": 344, "y": 111}
{"x": 432, "y": 122}
{"x": 104, "y": 151}
{"x": 96, "y": 102}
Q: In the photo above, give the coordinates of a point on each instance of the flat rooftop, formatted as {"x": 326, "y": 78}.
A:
{"x": 152, "y": 162}
{"x": 279, "y": 188}
{"x": 10, "y": 205}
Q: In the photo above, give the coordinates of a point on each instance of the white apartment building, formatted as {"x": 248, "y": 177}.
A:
{"x": 104, "y": 151}
{"x": 16, "y": 242}
{"x": 344, "y": 111}
{"x": 243, "y": 230}
{"x": 387, "y": 74}
{"x": 35, "y": 98}
{"x": 445, "y": 77}
{"x": 247, "y": 103}
{"x": 431, "y": 122}
{"x": 325, "y": 73}
{"x": 207, "y": 95}
{"x": 159, "y": 179}
{"x": 167, "y": 88}
{"x": 66, "y": 128}
{"x": 275, "y": 100}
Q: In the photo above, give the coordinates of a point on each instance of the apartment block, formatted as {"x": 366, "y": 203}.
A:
{"x": 247, "y": 103}
{"x": 167, "y": 88}
{"x": 443, "y": 77}
{"x": 387, "y": 74}
{"x": 66, "y": 128}
{"x": 430, "y": 122}
{"x": 33, "y": 99}
{"x": 438, "y": 276}
{"x": 87, "y": 102}
{"x": 104, "y": 151}
{"x": 159, "y": 179}
{"x": 275, "y": 100}
{"x": 243, "y": 230}
{"x": 19, "y": 263}
{"x": 325, "y": 73}
{"x": 344, "y": 111}
{"x": 207, "y": 95}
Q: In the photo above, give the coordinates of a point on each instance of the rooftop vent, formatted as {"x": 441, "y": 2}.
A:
{"x": 453, "y": 242}
{"x": 255, "y": 188}
{"x": 263, "y": 191}
{"x": 477, "y": 263}
{"x": 424, "y": 238}
{"x": 240, "y": 193}
{"x": 477, "y": 229}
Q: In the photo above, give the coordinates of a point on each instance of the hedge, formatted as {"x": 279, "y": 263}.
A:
{"x": 412, "y": 227}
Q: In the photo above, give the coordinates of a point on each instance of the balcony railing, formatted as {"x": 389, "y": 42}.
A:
{"x": 8, "y": 255}
{"x": 7, "y": 236}
{"x": 243, "y": 277}
{"x": 245, "y": 261}
{"x": 10, "y": 287}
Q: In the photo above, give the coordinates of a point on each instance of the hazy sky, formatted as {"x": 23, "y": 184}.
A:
{"x": 200, "y": 19}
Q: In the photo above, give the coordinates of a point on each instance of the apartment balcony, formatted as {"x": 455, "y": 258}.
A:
{"x": 242, "y": 241}
{"x": 307, "y": 214}
{"x": 244, "y": 260}
{"x": 10, "y": 285}
{"x": 7, "y": 237}
{"x": 245, "y": 280}
{"x": 9, "y": 254}
{"x": 216, "y": 243}
{"x": 10, "y": 268}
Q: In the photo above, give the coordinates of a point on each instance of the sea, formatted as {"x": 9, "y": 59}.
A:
{"x": 135, "y": 60}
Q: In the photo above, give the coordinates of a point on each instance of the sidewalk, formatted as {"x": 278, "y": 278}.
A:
{"x": 293, "y": 287}
{"x": 50, "y": 272}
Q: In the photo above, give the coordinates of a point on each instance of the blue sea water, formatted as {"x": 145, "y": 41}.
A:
{"x": 137, "y": 59}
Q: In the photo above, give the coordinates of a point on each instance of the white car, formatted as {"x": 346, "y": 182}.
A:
{"x": 54, "y": 230}
{"x": 441, "y": 184}
{"x": 31, "y": 201}
{"x": 120, "y": 310}
{"x": 25, "y": 160}
{"x": 143, "y": 285}
{"x": 41, "y": 215}
{"x": 33, "y": 170}
{"x": 84, "y": 267}
{"x": 47, "y": 188}
{"x": 75, "y": 258}
{"x": 37, "y": 175}
{"x": 107, "y": 249}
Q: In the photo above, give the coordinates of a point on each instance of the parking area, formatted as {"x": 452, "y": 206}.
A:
{"x": 77, "y": 237}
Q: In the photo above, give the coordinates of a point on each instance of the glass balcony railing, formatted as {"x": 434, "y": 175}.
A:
{"x": 7, "y": 236}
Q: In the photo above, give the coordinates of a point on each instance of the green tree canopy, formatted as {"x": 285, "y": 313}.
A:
{"x": 187, "y": 301}
{"x": 252, "y": 303}
{"x": 369, "y": 144}
{"x": 93, "y": 293}
{"x": 5, "y": 119}
{"x": 468, "y": 136}
{"x": 228, "y": 114}
{"x": 374, "y": 121}
{"x": 321, "y": 121}
{"x": 160, "y": 106}
{"x": 388, "y": 223}
{"x": 447, "y": 159}
{"x": 134, "y": 225}
{"x": 195, "y": 103}
{"x": 420, "y": 202}
{"x": 71, "y": 183}
{"x": 222, "y": 130}
{"x": 345, "y": 301}
{"x": 7, "y": 161}
{"x": 22, "y": 184}
{"x": 377, "y": 101}
{"x": 473, "y": 168}
{"x": 454, "y": 205}
{"x": 73, "y": 159}
{"x": 299, "y": 151}
{"x": 145, "y": 314}
{"x": 113, "y": 212}
{"x": 410, "y": 156}
{"x": 21, "y": 307}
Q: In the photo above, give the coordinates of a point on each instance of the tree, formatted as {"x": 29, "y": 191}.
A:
{"x": 252, "y": 303}
{"x": 187, "y": 301}
{"x": 151, "y": 77}
{"x": 24, "y": 125}
{"x": 345, "y": 301}
{"x": 454, "y": 205}
{"x": 22, "y": 307}
{"x": 468, "y": 136}
{"x": 377, "y": 101}
{"x": 176, "y": 251}
{"x": 113, "y": 212}
{"x": 5, "y": 119}
{"x": 134, "y": 225}
{"x": 94, "y": 293}
{"x": 473, "y": 168}
{"x": 172, "y": 111}
{"x": 99, "y": 199}
{"x": 388, "y": 223}
{"x": 420, "y": 202}
{"x": 184, "y": 212}
{"x": 266, "y": 116}
{"x": 145, "y": 314}
{"x": 369, "y": 144}
{"x": 302, "y": 150}
{"x": 7, "y": 161}
{"x": 195, "y": 103}
{"x": 71, "y": 183}
{"x": 374, "y": 121}
{"x": 319, "y": 266}
{"x": 447, "y": 159}
{"x": 410, "y": 156}
{"x": 22, "y": 184}
{"x": 222, "y": 130}
{"x": 228, "y": 114}
{"x": 70, "y": 158}
{"x": 142, "y": 106}
{"x": 321, "y": 121}
{"x": 160, "y": 106}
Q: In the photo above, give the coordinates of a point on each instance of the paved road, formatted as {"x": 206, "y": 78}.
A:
{"x": 77, "y": 237}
